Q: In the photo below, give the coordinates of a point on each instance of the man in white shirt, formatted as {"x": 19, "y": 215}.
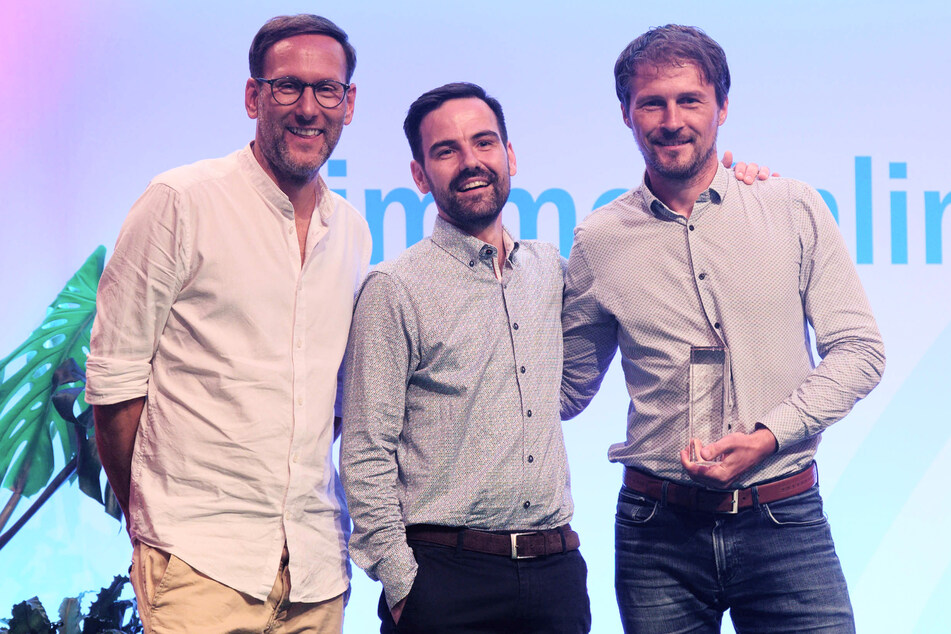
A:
{"x": 222, "y": 322}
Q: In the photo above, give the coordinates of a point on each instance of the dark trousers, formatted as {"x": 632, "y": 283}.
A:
{"x": 461, "y": 591}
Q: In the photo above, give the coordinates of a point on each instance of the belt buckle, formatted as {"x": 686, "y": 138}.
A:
{"x": 735, "y": 504}
{"x": 513, "y": 537}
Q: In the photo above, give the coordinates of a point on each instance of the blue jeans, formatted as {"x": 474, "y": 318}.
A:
{"x": 772, "y": 565}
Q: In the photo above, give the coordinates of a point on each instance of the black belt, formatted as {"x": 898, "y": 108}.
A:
{"x": 517, "y": 545}
{"x": 714, "y": 501}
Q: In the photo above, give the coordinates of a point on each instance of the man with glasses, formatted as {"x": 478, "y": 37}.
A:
{"x": 222, "y": 322}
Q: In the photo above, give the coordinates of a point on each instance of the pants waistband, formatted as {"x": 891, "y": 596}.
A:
{"x": 703, "y": 500}
{"x": 517, "y": 545}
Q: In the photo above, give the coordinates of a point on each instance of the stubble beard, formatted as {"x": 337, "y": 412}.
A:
{"x": 678, "y": 171}
{"x": 283, "y": 162}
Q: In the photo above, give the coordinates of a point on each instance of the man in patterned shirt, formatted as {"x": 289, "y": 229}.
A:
{"x": 708, "y": 289}
{"x": 452, "y": 454}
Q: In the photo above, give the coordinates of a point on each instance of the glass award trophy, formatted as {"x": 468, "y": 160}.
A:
{"x": 707, "y": 388}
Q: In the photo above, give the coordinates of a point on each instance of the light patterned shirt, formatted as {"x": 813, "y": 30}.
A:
{"x": 451, "y": 407}
{"x": 750, "y": 271}
{"x": 206, "y": 309}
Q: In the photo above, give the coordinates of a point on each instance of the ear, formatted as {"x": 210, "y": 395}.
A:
{"x": 511, "y": 155}
{"x": 419, "y": 176}
{"x": 722, "y": 117}
{"x": 251, "y": 91}
{"x": 626, "y": 115}
{"x": 351, "y": 98}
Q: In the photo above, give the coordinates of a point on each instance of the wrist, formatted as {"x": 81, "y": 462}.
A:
{"x": 767, "y": 438}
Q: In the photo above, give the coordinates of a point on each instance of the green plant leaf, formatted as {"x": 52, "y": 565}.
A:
{"x": 28, "y": 421}
{"x": 29, "y": 617}
{"x": 70, "y": 616}
{"x": 64, "y": 400}
{"x": 104, "y": 605}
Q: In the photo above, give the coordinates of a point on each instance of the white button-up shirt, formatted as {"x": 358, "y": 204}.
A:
{"x": 206, "y": 309}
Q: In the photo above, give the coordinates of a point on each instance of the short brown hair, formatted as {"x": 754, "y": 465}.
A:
{"x": 676, "y": 45}
{"x": 285, "y": 26}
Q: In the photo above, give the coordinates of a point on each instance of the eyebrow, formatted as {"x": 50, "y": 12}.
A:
{"x": 452, "y": 143}
{"x": 697, "y": 94}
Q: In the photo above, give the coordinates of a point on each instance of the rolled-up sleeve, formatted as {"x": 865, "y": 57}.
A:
{"x": 136, "y": 292}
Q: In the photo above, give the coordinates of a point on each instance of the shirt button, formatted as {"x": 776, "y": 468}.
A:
{"x": 515, "y": 325}
{"x": 300, "y": 343}
{"x": 691, "y": 227}
{"x": 522, "y": 369}
{"x": 296, "y": 457}
{"x": 531, "y": 458}
{"x": 702, "y": 276}
{"x": 290, "y": 231}
{"x": 471, "y": 262}
{"x": 717, "y": 325}
{"x": 529, "y": 413}
{"x": 527, "y": 504}
{"x": 300, "y": 400}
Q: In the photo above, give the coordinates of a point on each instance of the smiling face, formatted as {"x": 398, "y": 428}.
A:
{"x": 674, "y": 116}
{"x": 466, "y": 165}
{"x": 292, "y": 142}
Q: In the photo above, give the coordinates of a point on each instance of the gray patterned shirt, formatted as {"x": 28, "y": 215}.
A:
{"x": 750, "y": 270}
{"x": 451, "y": 406}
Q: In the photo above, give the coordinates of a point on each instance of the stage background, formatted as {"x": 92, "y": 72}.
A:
{"x": 851, "y": 97}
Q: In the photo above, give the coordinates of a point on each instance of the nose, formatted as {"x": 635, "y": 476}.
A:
{"x": 307, "y": 105}
{"x": 672, "y": 118}
{"x": 469, "y": 157}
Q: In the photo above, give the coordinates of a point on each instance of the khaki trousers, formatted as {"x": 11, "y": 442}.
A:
{"x": 174, "y": 598}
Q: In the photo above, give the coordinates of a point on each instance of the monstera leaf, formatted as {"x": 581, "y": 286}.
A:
{"x": 29, "y": 422}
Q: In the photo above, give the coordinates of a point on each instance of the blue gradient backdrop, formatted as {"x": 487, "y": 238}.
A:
{"x": 851, "y": 97}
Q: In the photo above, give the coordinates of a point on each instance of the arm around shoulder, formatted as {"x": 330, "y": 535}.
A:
{"x": 590, "y": 335}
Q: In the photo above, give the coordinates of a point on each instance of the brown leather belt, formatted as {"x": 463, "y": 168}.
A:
{"x": 517, "y": 545}
{"x": 714, "y": 501}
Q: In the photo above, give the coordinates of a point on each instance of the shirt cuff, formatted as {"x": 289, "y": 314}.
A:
{"x": 397, "y": 572}
{"x": 784, "y": 422}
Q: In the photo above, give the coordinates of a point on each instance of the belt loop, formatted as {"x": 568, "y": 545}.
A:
{"x": 459, "y": 541}
{"x": 755, "y": 491}
{"x": 564, "y": 543}
{"x": 663, "y": 493}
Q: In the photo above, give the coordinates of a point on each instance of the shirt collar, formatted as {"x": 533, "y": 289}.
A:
{"x": 714, "y": 193}
{"x": 263, "y": 183}
{"x": 468, "y": 249}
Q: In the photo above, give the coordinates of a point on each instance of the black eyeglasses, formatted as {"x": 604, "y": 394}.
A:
{"x": 288, "y": 90}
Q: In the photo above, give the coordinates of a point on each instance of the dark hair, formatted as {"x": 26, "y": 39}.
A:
{"x": 429, "y": 101}
{"x": 673, "y": 45}
{"x": 285, "y": 26}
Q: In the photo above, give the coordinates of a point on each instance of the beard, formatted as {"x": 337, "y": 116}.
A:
{"x": 480, "y": 212}
{"x": 296, "y": 167}
{"x": 683, "y": 168}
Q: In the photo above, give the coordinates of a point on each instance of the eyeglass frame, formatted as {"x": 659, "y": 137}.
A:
{"x": 304, "y": 85}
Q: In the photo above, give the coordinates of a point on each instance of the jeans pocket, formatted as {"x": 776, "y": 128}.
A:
{"x": 634, "y": 509}
{"x": 804, "y": 509}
